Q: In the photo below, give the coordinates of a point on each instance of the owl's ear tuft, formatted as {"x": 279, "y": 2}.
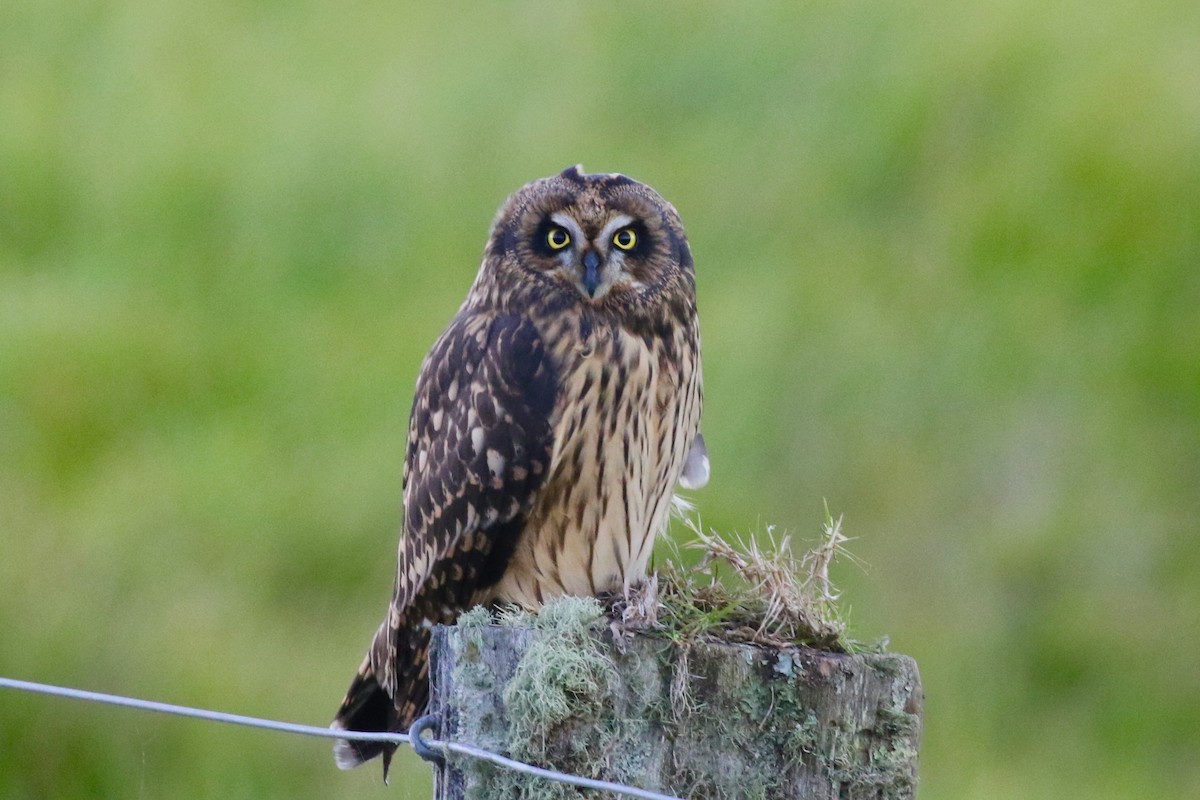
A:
{"x": 573, "y": 174}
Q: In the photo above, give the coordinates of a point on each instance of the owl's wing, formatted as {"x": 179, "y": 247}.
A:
{"x": 479, "y": 445}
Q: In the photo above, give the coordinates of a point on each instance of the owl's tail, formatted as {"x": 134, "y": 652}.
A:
{"x": 399, "y": 653}
{"x": 367, "y": 707}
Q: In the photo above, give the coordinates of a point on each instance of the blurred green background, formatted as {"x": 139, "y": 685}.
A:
{"x": 949, "y": 272}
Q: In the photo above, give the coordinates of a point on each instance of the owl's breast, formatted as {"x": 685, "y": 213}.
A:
{"x": 627, "y": 410}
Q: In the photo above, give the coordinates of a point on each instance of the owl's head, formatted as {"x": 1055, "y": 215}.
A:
{"x": 603, "y": 240}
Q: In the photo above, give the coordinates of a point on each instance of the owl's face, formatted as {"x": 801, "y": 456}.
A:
{"x": 601, "y": 240}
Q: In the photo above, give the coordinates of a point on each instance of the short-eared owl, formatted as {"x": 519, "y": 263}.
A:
{"x": 551, "y": 423}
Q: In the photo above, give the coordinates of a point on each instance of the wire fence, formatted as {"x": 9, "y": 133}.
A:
{"x": 457, "y": 748}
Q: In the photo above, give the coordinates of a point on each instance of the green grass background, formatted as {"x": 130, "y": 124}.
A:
{"x": 949, "y": 270}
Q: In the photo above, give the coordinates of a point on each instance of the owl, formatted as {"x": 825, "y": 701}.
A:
{"x": 552, "y": 420}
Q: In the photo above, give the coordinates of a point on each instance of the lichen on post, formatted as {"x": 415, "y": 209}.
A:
{"x": 698, "y": 718}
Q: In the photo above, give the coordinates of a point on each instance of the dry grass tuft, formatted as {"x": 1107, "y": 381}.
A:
{"x": 767, "y": 595}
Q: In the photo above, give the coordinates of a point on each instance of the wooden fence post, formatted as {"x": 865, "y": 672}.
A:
{"x": 697, "y": 720}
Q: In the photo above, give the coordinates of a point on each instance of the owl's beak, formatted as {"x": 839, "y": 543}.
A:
{"x": 591, "y": 272}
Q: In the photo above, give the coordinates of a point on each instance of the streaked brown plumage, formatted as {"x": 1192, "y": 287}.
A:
{"x": 551, "y": 422}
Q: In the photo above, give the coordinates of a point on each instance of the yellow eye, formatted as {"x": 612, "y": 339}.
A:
{"x": 558, "y": 238}
{"x": 625, "y": 238}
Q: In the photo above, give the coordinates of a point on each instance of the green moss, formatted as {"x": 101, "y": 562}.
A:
{"x": 579, "y": 701}
{"x": 477, "y": 617}
{"x": 896, "y": 722}
{"x": 804, "y": 736}
{"x": 885, "y": 664}
{"x": 564, "y": 676}
{"x": 556, "y": 703}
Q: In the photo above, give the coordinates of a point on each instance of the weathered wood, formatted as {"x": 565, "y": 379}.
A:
{"x": 703, "y": 720}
